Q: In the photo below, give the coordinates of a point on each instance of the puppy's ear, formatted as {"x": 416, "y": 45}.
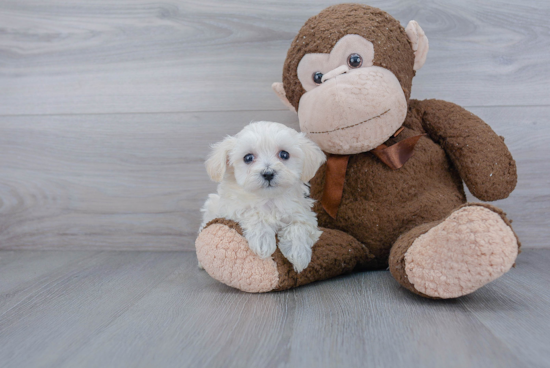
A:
{"x": 217, "y": 162}
{"x": 313, "y": 158}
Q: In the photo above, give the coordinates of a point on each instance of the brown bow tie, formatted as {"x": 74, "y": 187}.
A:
{"x": 394, "y": 156}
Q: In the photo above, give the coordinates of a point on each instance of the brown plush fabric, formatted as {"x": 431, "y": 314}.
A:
{"x": 392, "y": 49}
{"x": 229, "y": 223}
{"x": 335, "y": 253}
{"x": 480, "y": 156}
{"x": 379, "y": 204}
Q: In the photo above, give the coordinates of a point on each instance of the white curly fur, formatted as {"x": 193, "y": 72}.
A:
{"x": 265, "y": 208}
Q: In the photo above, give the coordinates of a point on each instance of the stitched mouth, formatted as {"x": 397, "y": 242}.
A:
{"x": 351, "y": 126}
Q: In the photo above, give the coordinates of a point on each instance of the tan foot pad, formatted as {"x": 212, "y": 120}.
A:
{"x": 225, "y": 255}
{"x": 471, "y": 248}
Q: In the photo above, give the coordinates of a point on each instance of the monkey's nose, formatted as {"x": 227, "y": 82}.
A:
{"x": 268, "y": 175}
{"x": 335, "y": 72}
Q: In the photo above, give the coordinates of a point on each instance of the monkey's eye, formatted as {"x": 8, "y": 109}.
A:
{"x": 248, "y": 158}
{"x": 355, "y": 61}
{"x": 317, "y": 77}
{"x": 284, "y": 155}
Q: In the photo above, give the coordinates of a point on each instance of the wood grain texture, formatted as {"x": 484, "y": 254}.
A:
{"x": 108, "y": 181}
{"x": 58, "y": 314}
{"x": 516, "y": 310}
{"x": 137, "y": 181}
{"x": 21, "y": 272}
{"x": 143, "y": 309}
{"x": 76, "y": 56}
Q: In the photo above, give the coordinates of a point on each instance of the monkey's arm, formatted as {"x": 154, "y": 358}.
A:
{"x": 479, "y": 154}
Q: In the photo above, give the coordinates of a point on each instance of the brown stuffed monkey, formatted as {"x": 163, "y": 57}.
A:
{"x": 391, "y": 192}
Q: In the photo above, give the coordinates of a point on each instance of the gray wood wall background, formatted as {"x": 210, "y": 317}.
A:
{"x": 107, "y": 108}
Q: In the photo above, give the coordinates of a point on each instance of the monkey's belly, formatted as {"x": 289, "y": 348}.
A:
{"x": 379, "y": 204}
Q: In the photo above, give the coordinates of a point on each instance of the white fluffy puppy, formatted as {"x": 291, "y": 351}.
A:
{"x": 262, "y": 173}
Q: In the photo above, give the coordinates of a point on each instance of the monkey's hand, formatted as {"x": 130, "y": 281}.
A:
{"x": 479, "y": 154}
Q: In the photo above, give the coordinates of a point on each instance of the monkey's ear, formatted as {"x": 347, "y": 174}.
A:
{"x": 280, "y": 92}
{"x": 217, "y": 162}
{"x": 313, "y": 157}
{"x": 419, "y": 43}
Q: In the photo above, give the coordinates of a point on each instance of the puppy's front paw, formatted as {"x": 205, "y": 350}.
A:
{"x": 263, "y": 243}
{"x": 296, "y": 241}
{"x": 297, "y": 254}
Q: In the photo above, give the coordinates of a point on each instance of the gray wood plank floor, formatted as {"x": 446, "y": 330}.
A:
{"x": 157, "y": 309}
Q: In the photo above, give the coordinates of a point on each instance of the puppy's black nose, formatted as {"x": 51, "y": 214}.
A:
{"x": 268, "y": 175}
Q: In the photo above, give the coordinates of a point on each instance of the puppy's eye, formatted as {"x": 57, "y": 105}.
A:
{"x": 317, "y": 77}
{"x": 248, "y": 158}
{"x": 355, "y": 61}
{"x": 284, "y": 155}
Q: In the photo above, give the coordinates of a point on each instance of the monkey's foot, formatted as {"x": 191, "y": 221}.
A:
{"x": 224, "y": 253}
{"x": 473, "y": 246}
